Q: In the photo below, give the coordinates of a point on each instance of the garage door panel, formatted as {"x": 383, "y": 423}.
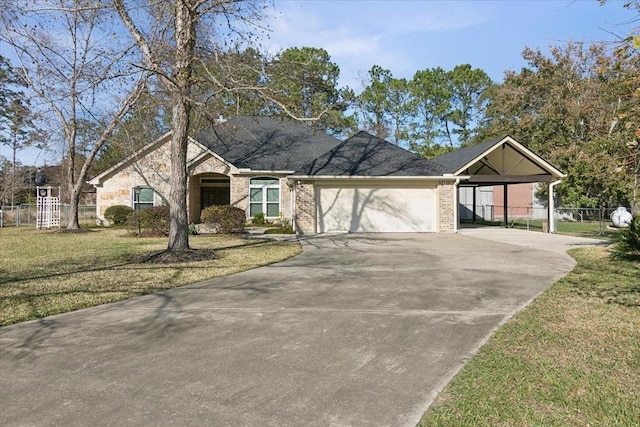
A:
{"x": 354, "y": 209}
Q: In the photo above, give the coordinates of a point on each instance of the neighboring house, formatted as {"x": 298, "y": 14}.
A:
{"x": 287, "y": 170}
{"x": 50, "y": 176}
{"x": 489, "y": 202}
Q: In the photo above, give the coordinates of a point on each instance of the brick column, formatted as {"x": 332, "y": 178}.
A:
{"x": 305, "y": 208}
{"x": 446, "y": 199}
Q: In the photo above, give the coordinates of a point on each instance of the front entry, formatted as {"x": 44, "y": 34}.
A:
{"x": 214, "y": 196}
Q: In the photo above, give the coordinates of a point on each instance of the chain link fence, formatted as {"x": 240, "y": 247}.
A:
{"x": 583, "y": 220}
{"x": 25, "y": 215}
{"x": 587, "y": 221}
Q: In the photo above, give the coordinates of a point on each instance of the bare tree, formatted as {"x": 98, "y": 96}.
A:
{"x": 17, "y": 127}
{"x": 169, "y": 36}
{"x": 78, "y": 70}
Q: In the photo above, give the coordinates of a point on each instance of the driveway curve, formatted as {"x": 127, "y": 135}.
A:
{"x": 361, "y": 329}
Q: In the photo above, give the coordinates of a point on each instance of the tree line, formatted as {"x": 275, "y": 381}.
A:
{"x": 120, "y": 73}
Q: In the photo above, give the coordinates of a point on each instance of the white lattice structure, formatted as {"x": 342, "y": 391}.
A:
{"x": 48, "y": 208}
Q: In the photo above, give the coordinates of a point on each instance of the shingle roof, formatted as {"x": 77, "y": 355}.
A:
{"x": 365, "y": 155}
{"x": 453, "y": 161}
{"x": 265, "y": 143}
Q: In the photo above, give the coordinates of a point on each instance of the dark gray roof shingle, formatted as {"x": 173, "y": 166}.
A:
{"x": 366, "y": 155}
{"x": 454, "y": 160}
{"x": 265, "y": 143}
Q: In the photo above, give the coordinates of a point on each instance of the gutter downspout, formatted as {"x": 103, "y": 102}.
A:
{"x": 456, "y": 206}
{"x": 293, "y": 207}
{"x": 552, "y": 224}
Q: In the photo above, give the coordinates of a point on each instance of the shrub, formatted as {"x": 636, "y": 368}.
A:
{"x": 118, "y": 214}
{"x": 152, "y": 221}
{"x": 258, "y": 219}
{"x": 224, "y": 219}
{"x": 193, "y": 229}
{"x": 629, "y": 245}
{"x": 285, "y": 227}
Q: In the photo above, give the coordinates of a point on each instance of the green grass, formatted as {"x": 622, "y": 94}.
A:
{"x": 49, "y": 272}
{"x": 571, "y": 358}
{"x": 574, "y": 228}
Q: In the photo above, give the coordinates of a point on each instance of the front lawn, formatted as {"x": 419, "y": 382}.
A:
{"x": 571, "y": 358}
{"x": 50, "y": 272}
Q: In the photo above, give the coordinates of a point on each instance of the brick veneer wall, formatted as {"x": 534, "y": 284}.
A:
{"x": 240, "y": 192}
{"x": 305, "y": 219}
{"x": 446, "y": 206}
{"x": 151, "y": 170}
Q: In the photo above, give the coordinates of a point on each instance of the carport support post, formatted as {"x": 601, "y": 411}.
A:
{"x": 552, "y": 208}
{"x": 474, "y": 204}
{"x": 506, "y": 202}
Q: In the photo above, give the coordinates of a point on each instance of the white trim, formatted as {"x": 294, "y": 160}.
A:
{"x": 133, "y": 195}
{"x": 551, "y": 207}
{"x": 540, "y": 162}
{"x": 373, "y": 178}
{"x": 265, "y": 203}
{"x": 293, "y": 208}
{"x": 252, "y": 172}
{"x": 147, "y": 149}
{"x": 98, "y": 179}
{"x": 456, "y": 206}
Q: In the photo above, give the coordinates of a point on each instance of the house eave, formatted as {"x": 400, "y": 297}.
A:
{"x": 372, "y": 178}
{"x": 247, "y": 171}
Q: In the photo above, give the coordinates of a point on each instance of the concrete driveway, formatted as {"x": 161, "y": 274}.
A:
{"x": 359, "y": 330}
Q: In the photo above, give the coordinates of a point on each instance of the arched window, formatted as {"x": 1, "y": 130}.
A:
{"x": 264, "y": 196}
{"x": 142, "y": 198}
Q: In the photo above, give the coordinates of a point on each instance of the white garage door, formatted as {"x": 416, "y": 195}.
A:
{"x": 376, "y": 209}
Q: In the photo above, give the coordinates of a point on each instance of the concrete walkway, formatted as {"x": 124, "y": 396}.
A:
{"x": 358, "y": 330}
{"x": 558, "y": 243}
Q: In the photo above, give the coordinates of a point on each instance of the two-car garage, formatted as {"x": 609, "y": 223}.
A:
{"x": 369, "y": 206}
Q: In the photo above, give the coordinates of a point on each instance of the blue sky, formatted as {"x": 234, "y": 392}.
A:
{"x": 405, "y": 36}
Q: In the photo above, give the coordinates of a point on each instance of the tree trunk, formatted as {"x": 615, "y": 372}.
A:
{"x": 74, "y": 201}
{"x": 180, "y": 89}
{"x": 179, "y": 221}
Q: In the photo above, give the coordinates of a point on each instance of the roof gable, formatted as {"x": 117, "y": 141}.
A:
{"x": 265, "y": 143}
{"x": 127, "y": 161}
{"x": 500, "y": 157}
{"x": 366, "y": 155}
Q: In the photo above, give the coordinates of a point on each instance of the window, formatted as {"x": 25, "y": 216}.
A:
{"x": 264, "y": 196}
{"x": 142, "y": 198}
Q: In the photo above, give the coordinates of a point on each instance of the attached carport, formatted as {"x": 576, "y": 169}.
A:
{"x": 501, "y": 161}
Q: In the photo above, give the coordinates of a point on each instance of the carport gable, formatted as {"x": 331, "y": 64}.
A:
{"x": 501, "y": 160}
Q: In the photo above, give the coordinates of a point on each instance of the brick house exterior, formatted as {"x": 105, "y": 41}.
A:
{"x": 286, "y": 170}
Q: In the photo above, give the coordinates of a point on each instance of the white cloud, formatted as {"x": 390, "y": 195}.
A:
{"x": 360, "y": 34}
